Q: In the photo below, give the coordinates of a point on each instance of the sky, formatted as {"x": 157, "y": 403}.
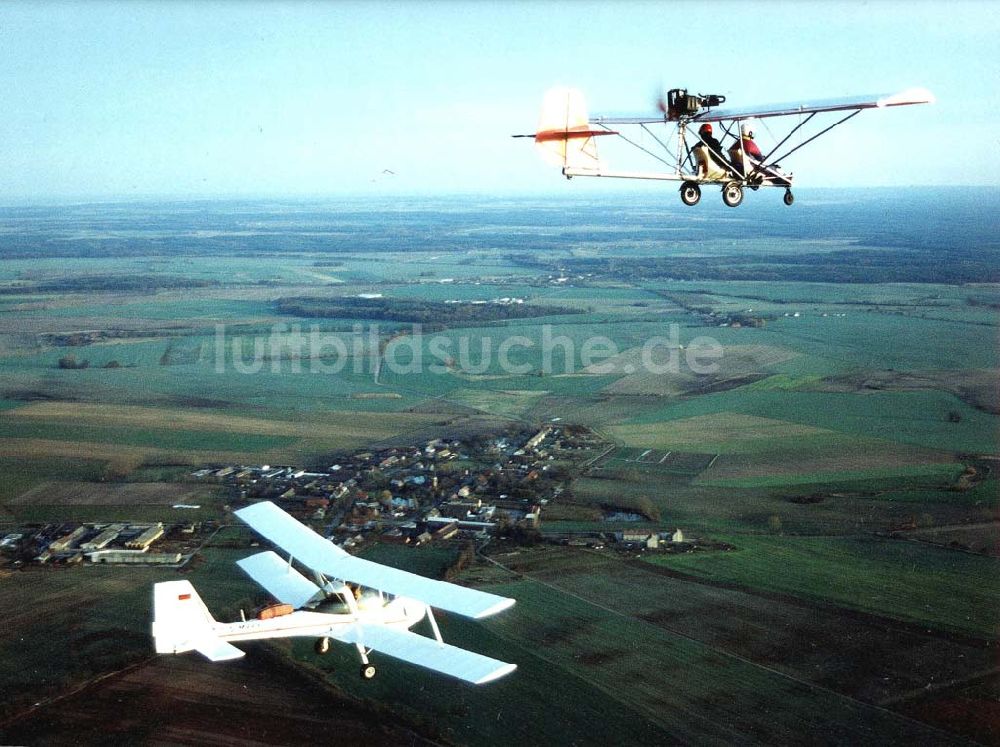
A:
{"x": 192, "y": 98}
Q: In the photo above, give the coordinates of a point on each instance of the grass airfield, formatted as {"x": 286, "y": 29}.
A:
{"x": 818, "y": 436}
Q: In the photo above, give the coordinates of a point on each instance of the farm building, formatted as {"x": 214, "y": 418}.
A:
{"x": 147, "y": 538}
{"x": 135, "y": 556}
{"x": 67, "y": 541}
{"x": 103, "y": 539}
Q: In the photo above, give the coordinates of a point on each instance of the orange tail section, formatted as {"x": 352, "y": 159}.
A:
{"x": 565, "y": 136}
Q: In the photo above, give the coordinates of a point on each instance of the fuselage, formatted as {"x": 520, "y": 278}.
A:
{"x": 400, "y": 613}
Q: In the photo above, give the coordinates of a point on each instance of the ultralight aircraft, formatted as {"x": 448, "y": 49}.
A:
{"x": 696, "y": 155}
{"x": 349, "y": 599}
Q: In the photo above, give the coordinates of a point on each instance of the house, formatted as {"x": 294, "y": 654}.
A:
{"x": 459, "y": 509}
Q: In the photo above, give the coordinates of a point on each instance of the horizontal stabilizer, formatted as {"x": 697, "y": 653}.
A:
{"x": 214, "y": 649}
{"x": 323, "y": 556}
{"x": 279, "y": 578}
{"x": 427, "y": 652}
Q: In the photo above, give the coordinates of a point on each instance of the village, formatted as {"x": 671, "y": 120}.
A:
{"x": 442, "y": 490}
{"x": 414, "y": 495}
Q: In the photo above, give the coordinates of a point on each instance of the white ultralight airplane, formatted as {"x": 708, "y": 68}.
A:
{"x": 349, "y": 599}
{"x": 566, "y": 137}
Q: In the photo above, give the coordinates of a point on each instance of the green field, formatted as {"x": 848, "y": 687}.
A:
{"x": 938, "y": 587}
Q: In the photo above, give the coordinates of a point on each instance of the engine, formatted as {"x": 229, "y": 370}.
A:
{"x": 682, "y": 104}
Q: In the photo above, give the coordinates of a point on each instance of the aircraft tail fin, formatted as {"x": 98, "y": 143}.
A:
{"x": 182, "y": 622}
{"x": 565, "y": 137}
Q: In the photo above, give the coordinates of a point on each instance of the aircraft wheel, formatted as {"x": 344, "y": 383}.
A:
{"x": 732, "y": 194}
{"x": 789, "y": 197}
{"x": 322, "y": 646}
{"x": 368, "y": 671}
{"x": 690, "y": 193}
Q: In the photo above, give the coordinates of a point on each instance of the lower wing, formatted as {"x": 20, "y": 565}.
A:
{"x": 427, "y": 652}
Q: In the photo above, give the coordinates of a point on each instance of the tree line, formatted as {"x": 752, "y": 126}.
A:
{"x": 412, "y": 310}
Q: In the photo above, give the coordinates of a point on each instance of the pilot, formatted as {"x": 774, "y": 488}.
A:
{"x": 713, "y": 164}
{"x": 705, "y": 133}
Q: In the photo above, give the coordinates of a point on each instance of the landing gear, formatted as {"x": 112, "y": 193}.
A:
{"x": 789, "y": 197}
{"x": 690, "y": 193}
{"x": 732, "y": 194}
{"x": 368, "y": 671}
{"x": 322, "y": 646}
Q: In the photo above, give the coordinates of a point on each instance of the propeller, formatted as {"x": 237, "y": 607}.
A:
{"x": 661, "y": 101}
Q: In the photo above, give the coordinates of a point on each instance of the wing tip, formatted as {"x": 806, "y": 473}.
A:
{"x": 908, "y": 96}
{"x": 500, "y": 605}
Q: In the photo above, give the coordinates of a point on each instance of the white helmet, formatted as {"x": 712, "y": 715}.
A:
{"x": 746, "y": 130}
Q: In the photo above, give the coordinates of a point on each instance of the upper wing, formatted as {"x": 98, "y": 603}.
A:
{"x": 323, "y": 556}
{"x": 440, "y": 594}
{"x": 876, "y": 101}
{"x": 426, "y": 652}
{"x": 276, "y": 525}
{"x": 282, "y": 582}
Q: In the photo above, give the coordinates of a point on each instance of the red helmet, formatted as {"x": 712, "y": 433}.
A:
{"x": 706, "y": 128}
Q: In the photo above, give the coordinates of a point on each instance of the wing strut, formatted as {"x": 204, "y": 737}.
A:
{"x": 434, "y": 625}
{"x": 806, "y": 142}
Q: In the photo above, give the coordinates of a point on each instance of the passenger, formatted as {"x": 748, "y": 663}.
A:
{"x": 745, "y": 145}
{"x": 749, "y": 146}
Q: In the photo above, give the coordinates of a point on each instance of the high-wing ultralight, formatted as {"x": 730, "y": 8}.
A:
{"x": 349, "y": 599}
{"x": 696, "y": 152}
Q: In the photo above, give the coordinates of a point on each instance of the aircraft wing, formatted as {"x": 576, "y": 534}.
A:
{"x": 323, "y": 556}
{"x": 271, "y": 522}
{"x": 439, "y": 594}
{"x": 427, "y": 652}
{"x": 874, "y": 101}
{"x": 279, "y": 578}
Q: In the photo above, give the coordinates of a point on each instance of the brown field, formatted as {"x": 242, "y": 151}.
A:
{"x": 321, "y": 426}
{"x": 738, "y": 365}
{"x": 128, "y": 457}
{"x": 319, "y": 434}
{"x": 257, "y": 700}
{"x": 977, "y": 387}
{"x": 110, "y": 494}
{"x": 983, "y": 537}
